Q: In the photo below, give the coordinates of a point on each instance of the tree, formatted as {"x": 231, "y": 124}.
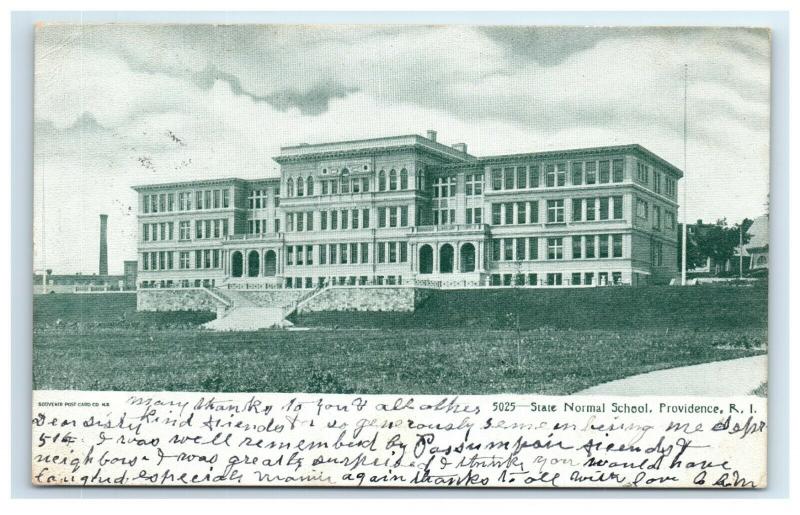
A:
{"x": 716, "y": 241}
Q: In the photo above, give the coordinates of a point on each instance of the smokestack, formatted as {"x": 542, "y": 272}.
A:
{"x": 432, "y": 135}
{"x": 103, "y": 245}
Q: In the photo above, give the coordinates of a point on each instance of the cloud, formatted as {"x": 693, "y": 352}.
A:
{"x": 107, "y": 97}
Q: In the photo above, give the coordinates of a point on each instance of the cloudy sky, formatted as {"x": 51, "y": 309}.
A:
{"x": 119, "y": 105}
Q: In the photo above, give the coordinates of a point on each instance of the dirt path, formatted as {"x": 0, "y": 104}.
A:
{"x": 720, "y": 378}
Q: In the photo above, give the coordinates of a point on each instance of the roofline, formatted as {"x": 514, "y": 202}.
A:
{"x": 634, "y": 147}
{"x": 430, "y": 145}
{"x": 200, "y": 182}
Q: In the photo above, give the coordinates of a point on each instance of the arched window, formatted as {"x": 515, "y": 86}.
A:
{"x": 446, "y": 259}
{"x": 425, "y": 259}
{"x": 344, "y": 181}
{"x": 403, "y": 179}
{"x": 237, "y": 264}
{"x": 310, "y": 186}
{"x": 300, "y": 187}
{"x": 252, "y": 264}
{"x": 393, "y": 179}
{"x": 290, "y": 187}
{"x": 382, "y": 180}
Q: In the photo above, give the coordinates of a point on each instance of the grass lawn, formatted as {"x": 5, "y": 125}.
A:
{"x": 103, "y": 344}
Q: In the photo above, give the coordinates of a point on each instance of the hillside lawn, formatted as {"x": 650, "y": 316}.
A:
{"x": 466, "y": 342}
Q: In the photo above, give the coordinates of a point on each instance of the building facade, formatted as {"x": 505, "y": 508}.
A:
{"x": 409, "y": 209}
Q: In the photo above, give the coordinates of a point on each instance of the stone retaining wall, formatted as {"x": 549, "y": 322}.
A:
{"x": 182, "y": 299}
{"x": 366, "y": 298}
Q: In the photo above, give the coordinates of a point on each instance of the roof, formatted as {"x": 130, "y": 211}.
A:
{"x": 203, "y": 182}
{"x": 634, "y": 148}
{"x": 367, "y": 146}
{"x": 759, "y": 233}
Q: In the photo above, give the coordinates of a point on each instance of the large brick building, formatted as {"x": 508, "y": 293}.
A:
{"x": 408, "y": 209}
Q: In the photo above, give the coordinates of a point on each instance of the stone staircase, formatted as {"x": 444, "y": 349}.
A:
{"x": 244, "y": 315}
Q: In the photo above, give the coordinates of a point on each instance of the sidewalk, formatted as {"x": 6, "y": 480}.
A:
{"x": 718, "y": 379}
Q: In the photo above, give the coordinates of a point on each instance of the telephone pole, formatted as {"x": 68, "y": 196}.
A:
{"x": 685, "y": 218}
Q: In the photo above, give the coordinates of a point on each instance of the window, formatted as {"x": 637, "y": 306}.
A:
{"x": 508, "y": 249}
{"x": 618, "y": 170}
{"x": 656, "y": 182}
{"x": 656, "y": 253}
{"x": 616, "y": 277}
{"x": 323, "y": 220}
{"x": 657, "y": 217}
{"x": 381, "y": 252}
{"x": 603, "y": 250}
{"x": 521, "y": 214}
{"x": 289, "y": 187}
{"x": 403, "y": 216}
{"x": 555, "y": 248}
{"x": 554, "y": 279}
{"x": 334, "y": 220}
{"x": 605, "y": 170}
{"x": 588, "y": 278}
{"x": 495, "y": 250}
{"x": 576, "y": 278}
{"x": 533, "y": 280}
{"x": 533, "y": 248}
{"x": 310, "y": 186}
{"x": 323, "y": 254}
{"x": 403, "y": 179}
{"x": 365, "y": 252}
{"x": 642, "y": 173}
{"x": 332, "y": 250}
{"x": 354, "y": 218}
{"x": 344, "y": 180}
{"x": 533, "y": 176}
{"x": 365, "y": 218}
{"x": 576, "y": 247}
{"x": 508, "y": 213}
{"x": 520, "y": 249}
{"x": 226, "y": 199}
{"x": 354, "y": 253}
{"x": 669, "y": 220}
{"x": 589, "y": 240}
{"x": 145, "y": 232}
{"x": 522, "y": 178}
{"x": 324, "y": 187}
{"x": 473, "y": 184}
{"x": 508, "y": 178}
{"x": 300, "y": 187}
{"x": 403, "y": 251}
{"x": 496, "y": 214}
{"x": 577, "y": 209}
{"x": 290, "y": 255}
{"x": 616, "y": 240}
{"x": 392, "y": 179}
{"x": 591, "y": 172}
{"x": 533, "y": 211}
{"x": 604, "y": 208}
{"x": 393, "y": 217}
{"x": 555, "y": 211}
{"x": 382, "y": 180}
{"x": 381, "y": 217}
{"x": 497, "y": 179}
{"x": 392, "y": 252}
{"x": 577, "y": 173}
{"x": 617, "y": 214}
{"x": 309, "y": 221}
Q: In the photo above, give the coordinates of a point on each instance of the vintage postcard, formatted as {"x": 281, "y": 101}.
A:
{"x": 400, "y": 255}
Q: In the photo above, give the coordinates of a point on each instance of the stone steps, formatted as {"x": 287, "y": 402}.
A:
{"x": 249, "y": 318}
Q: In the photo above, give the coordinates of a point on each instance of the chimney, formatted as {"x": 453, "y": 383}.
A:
{"x": 699, "y": 221}
{"x": 432, "y": 135}
{"x": 461, "y": 147}
{"x": 103, "y": 245}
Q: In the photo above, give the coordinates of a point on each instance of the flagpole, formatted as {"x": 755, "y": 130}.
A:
{"x": 685, "y": 217}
